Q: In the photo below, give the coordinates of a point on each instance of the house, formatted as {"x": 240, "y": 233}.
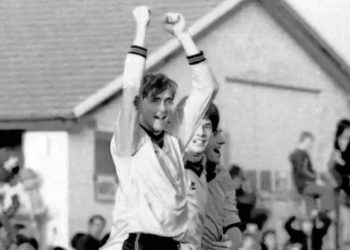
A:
{"x": 60, "y": 81}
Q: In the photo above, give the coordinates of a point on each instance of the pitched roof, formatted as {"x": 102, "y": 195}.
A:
{"x": 286, "y": 15}
{"x": 330, "y": 20}
{"x": 55, "y": 54}
{"x": 58, "y": 58}
{"x": 314, "y": 40}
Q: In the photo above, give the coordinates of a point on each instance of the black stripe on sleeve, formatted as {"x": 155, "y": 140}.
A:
{"x": 195, "y": 59}
{"x": 137, "y": 50}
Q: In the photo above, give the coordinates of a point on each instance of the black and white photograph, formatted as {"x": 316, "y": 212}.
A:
{"x": 174, "y": 125}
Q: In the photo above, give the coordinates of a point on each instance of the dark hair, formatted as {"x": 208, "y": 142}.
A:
{"x": 58, "y": 248}
{"x": 259, "y": 216}
{"x": 19, "y": 227}
{"x": 304, "y": 135}
{"x": 155, "y": 84}
{"x": 341, "y": 127}
{"x": 21, "y": 239}
{"x": 75, "y": 239}
{"x": 212, "y": 113}
{"x": 96, "y": 217}
{"x": 236, "y": 171}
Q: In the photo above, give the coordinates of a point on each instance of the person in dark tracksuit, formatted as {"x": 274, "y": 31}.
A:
{"x": 304, "y": 175}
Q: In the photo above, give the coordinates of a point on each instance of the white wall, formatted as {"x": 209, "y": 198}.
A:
{"x": 47, "y": 154}
{"x": 82, "y": 200}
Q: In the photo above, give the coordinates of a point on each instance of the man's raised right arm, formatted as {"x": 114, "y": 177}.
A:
{"x": 124, "y": 135}
{"x": 204, "y": 85}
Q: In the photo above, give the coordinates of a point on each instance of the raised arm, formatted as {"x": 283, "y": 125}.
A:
{"x": 204, "y": 85}
{"x": 125, "y": 134}
{"x": 288, "y": 226}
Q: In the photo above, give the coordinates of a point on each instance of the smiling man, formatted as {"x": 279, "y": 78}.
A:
{"x": 221, "y": 224}
{"x": 197, "y": 189}
{"x": 151, "y": 209}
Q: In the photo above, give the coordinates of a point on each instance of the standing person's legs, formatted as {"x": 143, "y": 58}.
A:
{"x": 326, "y": 195}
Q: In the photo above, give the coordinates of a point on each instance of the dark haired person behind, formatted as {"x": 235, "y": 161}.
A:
{"x": 92, "y": 240}
{"x": 321, "y": 223}
{"x": 339, "y": 163}
{"x": 296, "y": 233}
{"x": 246, "y": 198}
{"x": 75, "y": 239}
{"x": 300, "y": 231}
{"x": 24, "y": 239}
{"x": 237, "y": 176}
{"x": 304, "y": 175}
{"x": 11, "y": 155}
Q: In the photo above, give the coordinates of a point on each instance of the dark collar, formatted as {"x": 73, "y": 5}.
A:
{"x": 196, "y": 167}
{"x": 156, "y": 139}
{"x": 210, "y": 168}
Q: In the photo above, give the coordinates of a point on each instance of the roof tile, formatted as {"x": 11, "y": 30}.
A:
{"x": 54, "y": 54}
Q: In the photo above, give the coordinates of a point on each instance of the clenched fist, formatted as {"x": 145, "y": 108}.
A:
{"x": 174, "y": 23}
{"x": 142, "y": 15}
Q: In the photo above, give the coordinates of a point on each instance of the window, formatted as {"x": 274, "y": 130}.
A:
{"x": 103, "y": 159}
{"x": 266, "y": 181}
{"x": 105, "y": 174}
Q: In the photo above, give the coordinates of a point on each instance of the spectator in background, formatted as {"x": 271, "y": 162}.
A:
{"x": 321, "y": 223}
{"x": 249, "y": 242}
{"x": 300, "y": 231}
{"x": 269, "y": 240}
{"x": 339, "y": 163}
{"x": 92, "y": 240}
{"x": 11, "y": 156}
{"x": 259, "y": 217}
{"x": 237, "y": 176}
{"x": 75, "y": 239}
{"x": 304, "y": 175}
{"x": 246, "y": 201}
{"x": 255, "y": 225}
{"x": 298, "y": 238}
{"x": 24, "y": 238}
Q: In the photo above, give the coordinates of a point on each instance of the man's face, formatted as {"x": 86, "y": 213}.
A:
{"x": 213, "y": 150}
{"x": 155, "y": 110}
{"x": 344, "y": 139}
{"x": 201, "y": 137}
{"x": 96, "y": 228}
{"x": 237, "y": 182}
{"x": 306, "y": 226}
{"x": 270, "y": 240}
{"x": 308, "y": 143}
